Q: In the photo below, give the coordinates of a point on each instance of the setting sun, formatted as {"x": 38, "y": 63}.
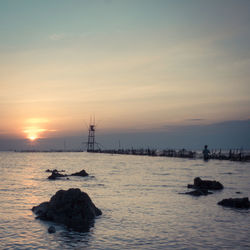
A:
{"x": 36, "y": 128}
{"x": 32, "y": 137}
{"x": 32, "y": 133}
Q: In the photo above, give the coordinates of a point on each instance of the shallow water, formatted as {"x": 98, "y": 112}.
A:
{"x": 138, "y": 195}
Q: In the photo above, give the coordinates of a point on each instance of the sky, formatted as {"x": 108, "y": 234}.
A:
{"x": 160, "y": 73}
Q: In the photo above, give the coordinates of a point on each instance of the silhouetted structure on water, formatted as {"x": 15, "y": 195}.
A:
{"x": 91, "y": 137}
{"x": 183, "y": 153}
{"x": 232, "y": 155}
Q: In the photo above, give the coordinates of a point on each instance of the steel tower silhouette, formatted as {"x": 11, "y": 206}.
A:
{"x": 91, "y": 138}
{"x": 91, "y": 143}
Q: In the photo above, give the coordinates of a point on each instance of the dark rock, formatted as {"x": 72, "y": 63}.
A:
{"x": 199, "y": 192}
{"x": 205, "y": 184}
{"x": 51, "y": 229}
{"x": 50, "y": 171}
{"x": 238, "y": 192}
{"x": 55, "y": 174}
{"x": 72, "y": 208}
{"x": 81, "y": 173}
{"x": 41, "y": 209}
{"x": 235, "y": 202}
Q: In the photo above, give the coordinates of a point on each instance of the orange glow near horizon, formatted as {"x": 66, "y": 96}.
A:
{"x": 32, "y": 138}
{"x": 33, "y": 131}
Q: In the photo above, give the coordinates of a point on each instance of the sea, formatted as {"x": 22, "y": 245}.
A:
{"x": 140, "y": 198}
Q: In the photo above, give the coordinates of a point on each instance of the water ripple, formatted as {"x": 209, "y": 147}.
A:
{"x": 138, "y": 196}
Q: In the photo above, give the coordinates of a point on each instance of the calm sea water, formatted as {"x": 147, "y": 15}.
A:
{"x": 138, "y": 195}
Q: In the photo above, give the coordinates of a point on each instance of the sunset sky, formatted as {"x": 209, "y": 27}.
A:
{"x": 140, "y": 67}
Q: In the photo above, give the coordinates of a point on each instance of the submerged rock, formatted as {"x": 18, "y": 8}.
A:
{"x": 55, "y": 174}
{"x": 205, "y": 184}
{"x": 51, "y": 229}
{"x": 72, "y": 208}
{"x": 50, "y": 171}
{"x": 199, "y": 192}
{"x": 235, "y": 202}
{"x": 81, "y": 173}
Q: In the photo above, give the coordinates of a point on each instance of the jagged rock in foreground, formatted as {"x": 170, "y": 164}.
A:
{"x": 199, "y": 192}
{"x": 72, "y": 208}
{"x": 235, "y": 202}
{"x": 81, "y": 173}
{"x": 205, "y": 184}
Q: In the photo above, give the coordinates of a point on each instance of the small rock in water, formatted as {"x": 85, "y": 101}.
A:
{"x": 50, "y": 171}
{"x": 51, "y": 229}
{"x": 82, "y": 173}
{"x": 205, "y": 184}
{"x": 199, "y": 192}
{"x": 55, "y": 174}
{"x": 235, "y": 202}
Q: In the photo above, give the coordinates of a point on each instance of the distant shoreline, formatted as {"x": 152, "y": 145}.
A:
{"x": 231, "y": 155}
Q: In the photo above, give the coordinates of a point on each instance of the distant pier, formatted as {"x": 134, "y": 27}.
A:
{"x": 231, "y": 155}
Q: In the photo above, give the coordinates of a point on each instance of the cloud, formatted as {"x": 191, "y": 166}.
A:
{"x": 37, "y": 120}
{"x": 225, "y": 135}
{"x": 195, "y": 119}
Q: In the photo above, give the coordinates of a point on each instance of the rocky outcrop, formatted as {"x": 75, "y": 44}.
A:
{"x": 82, "y": 173}
{"x": 72, "y": 208}
{"x": 205, "y": 184}
{"x": 235, "y": 202}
